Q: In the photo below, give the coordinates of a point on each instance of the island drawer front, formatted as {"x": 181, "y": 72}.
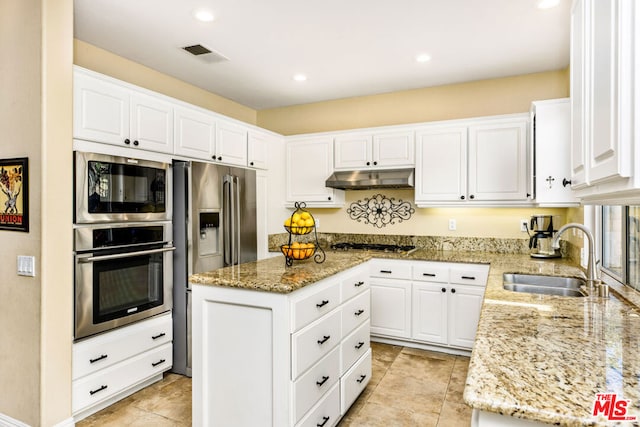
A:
{"x": 326, "y": 413}
{"x": 314, "y": 341}
{"x": 355, "y": 311}
{"x": 355, "y": 381}
{"x": 355, "y": 284}
{"x": 311, "y": 307}
{"x": 93, "y": 389}
{"x": 470, "y": 275}
{"x": 431, "y": 272}
{"x": 354, "y": 346}
{"x": 311, "y": 386}
{"x": 390, "y": 269}
{"x": 109, "y": 348}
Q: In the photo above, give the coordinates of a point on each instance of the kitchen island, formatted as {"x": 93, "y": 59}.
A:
{"x": 536, "y": 358}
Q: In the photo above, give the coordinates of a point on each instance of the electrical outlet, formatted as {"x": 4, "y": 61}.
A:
{"x": 523, "y": 225}
{"x": 317, "y": 223}
{"x": 452, "y": 224}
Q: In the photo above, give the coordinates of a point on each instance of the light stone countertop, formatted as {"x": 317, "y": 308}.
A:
{"x": 535, "y": 357}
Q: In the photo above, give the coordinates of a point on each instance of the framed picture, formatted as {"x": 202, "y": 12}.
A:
{"x": 14, "y": 194}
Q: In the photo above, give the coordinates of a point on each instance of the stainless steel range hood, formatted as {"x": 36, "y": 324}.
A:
{"x": 363, "y": 180}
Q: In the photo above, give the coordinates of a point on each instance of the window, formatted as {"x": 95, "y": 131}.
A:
{"x": 621, "y": 243}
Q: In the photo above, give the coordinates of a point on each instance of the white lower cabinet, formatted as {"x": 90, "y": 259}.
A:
{"x": 112, "y": 365}
{"x": 427, "y": 302}
{"x": 288, "y": 359}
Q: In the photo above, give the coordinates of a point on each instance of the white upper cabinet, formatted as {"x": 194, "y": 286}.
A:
{"x": 309, "y": 164}
{"x": 257, "y": 149}
{"x": 604, "y": 47}
{"x": 441, "y": 170}
{"x": 231, "y": 143}
{"x": 498, "y": 161}
{"x": 195, "y": 133}
{"x": 379, "y": 150}
{"x": 551, "y": 133}
{"x": 475, "y": 162}
{"x": 114, "y": 114}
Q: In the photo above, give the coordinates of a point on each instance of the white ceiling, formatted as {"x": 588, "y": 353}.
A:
{"x": 346, "y": 48}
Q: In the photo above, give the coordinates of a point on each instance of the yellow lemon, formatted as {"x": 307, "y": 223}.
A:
{"x": 308, "y": 222}
{"x": 295, "y": 218}
{"x": 287, "y": 222}
{"x": 305, "y": 215}
{"x": 295, "y": 245}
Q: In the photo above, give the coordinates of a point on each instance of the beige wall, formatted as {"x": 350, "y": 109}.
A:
{"x": 473, "y": 99}
{"x": 35, "y": 116}
{"x": 480, "y": 98}
{"x": 105, "y": 62}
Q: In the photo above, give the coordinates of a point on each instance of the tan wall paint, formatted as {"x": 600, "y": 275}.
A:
{"x": 20, "y": 121}
{"x": 105, "y": 62}
{"x": 35, "y": 116}
{"x": 57, "y": 213}
{"x": 480, "y": 98}
{"x": 471, "y": 222}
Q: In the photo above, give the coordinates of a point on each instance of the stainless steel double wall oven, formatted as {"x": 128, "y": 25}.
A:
{"x": 122, "y": 241}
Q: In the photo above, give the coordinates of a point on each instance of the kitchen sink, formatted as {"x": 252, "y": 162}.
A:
{"x": 546, "y": 285}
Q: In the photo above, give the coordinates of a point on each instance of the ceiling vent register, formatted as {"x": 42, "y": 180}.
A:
{"x": 204, "y": 53}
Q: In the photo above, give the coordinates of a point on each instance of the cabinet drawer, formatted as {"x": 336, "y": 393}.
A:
{"x": 390, "y": 269}
{"x": 95, "y": 388}
{"x": 311, "y": 386}
{"x": 431, "y": 272}
{"x": 355, "y": 381}
{"x": 470, "y": 275}
{"x": 355, "y": 312}
{"x": 110, "y": 348}
{"x": 314, "y": 341}
{"x": 311, "y": 307}
{"x": 326, "y": 412}
{"x": 354, "y": 346}
{"x": 355, "y": 284}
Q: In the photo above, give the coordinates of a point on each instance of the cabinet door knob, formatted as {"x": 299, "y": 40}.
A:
{"x": 453, "y": 291}
{"x": 444, "y": 289}
{"x": 127, "y": 141}
{"x": 219, "y": 158}
{"x": 375, "y": 163}
{"x": 251, "y": 164}
{"x": 461, "y": 197}
{"x": 213, "y": 157}
{"x": 136, "y": 143}
{"x": 566, "y": 182}
{"x": 329, "y": 198}
{"x": 368, "y": 163}
{"x": 472, "y": 197}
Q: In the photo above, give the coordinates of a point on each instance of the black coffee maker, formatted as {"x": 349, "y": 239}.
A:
{"x": 542, "y": 230}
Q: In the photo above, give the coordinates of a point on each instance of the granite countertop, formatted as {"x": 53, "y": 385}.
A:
{"x": 535, "y": 357}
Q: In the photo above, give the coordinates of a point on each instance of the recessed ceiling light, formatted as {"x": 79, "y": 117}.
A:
{"x": 547, "y": 4}
{"x": 203, "y": 15}
{"x": 423, "y": 57}
{"x": 300, "y": 77}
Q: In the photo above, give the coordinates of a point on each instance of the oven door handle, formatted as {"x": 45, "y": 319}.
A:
{"x": 125, "y": 255}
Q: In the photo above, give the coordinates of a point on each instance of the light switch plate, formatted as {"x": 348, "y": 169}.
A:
{"x": 26, "y": 265}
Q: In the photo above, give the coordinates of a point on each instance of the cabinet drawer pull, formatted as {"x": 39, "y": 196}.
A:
{"x": 358, "y": 284}
{"x": 92, "y": 392}
{"x": 362, "y": 377}
{"x": 324, "y": 302}
{"x": 468, "y": 277}
{"x": 159, "y": 362}
{"x": 104, "y": 356}
{"x": 160, "y": 335}
{"x": 324, "y": 421}
{"x": 324, "y": 380}
{"x": 359, "y": 312}
{"x": 324, "y": 339}
{"x": 386, "y": 271}
{"x": 429, "y": 274}
{"x": 360, "y": 344}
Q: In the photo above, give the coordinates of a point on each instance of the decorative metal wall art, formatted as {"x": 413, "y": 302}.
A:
{"x": 380, "y": 211}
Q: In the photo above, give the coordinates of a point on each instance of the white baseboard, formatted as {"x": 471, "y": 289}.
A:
{"x": 66, "y": 423}
{"x": 7, "y": 421}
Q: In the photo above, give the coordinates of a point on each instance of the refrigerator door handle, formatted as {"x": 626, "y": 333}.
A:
{"x": 227, "y": 220}
{"x": 236, "y": 251}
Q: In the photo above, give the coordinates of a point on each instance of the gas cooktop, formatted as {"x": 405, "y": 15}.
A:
{"x": 373, "y": 247}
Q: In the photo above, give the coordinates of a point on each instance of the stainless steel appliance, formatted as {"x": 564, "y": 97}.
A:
{"x": 214, "y": 219}
{"x": 123, "y": 273}
{"x": 119, "y": 189}
{"x": 543, "y": 229}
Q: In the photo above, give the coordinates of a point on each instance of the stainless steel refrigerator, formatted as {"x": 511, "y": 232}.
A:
{"x": 214, "y": 226}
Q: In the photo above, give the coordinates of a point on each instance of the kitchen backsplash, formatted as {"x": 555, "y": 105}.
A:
{"x": 441, "y": 243}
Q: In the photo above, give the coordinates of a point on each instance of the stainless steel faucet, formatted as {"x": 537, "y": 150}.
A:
{"x": 592, "y": 274}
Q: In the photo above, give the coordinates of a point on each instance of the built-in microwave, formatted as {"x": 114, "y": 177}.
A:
{"x": 120, "y": 189}
{"x": 123, "y": 274}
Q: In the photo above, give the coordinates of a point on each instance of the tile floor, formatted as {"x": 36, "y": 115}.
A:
{"x": 409, "y": 387}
